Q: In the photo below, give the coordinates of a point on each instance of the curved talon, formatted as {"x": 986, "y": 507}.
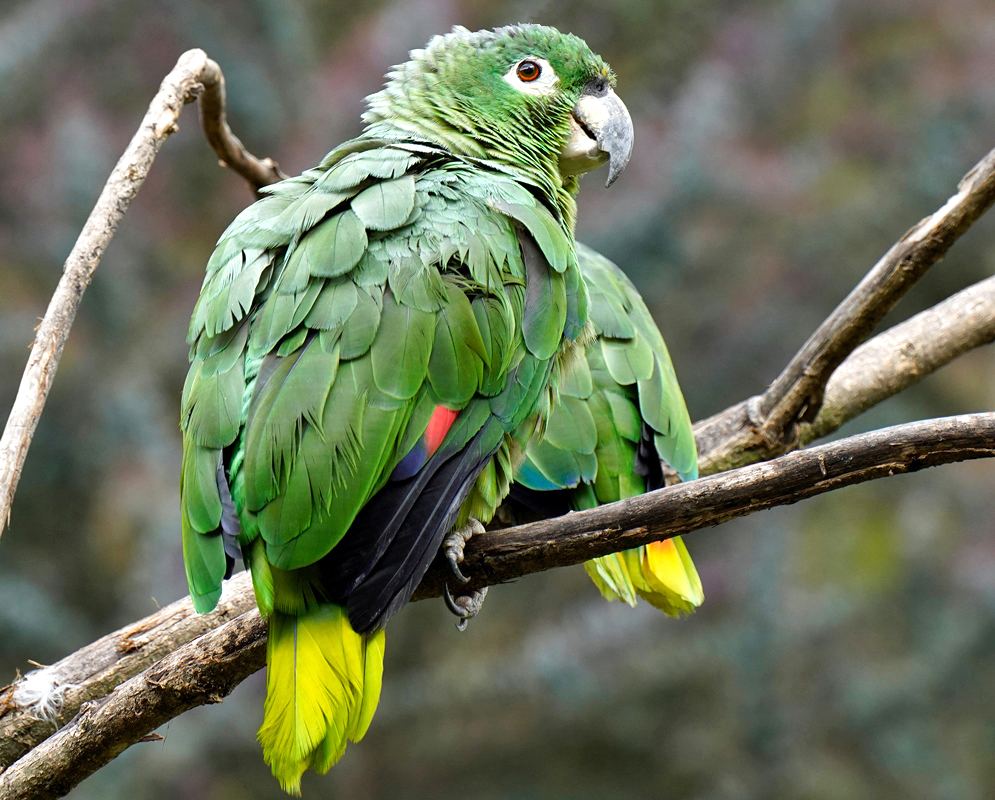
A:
{"x": 452, "y": 605}
{"x": 454, "y": 568}
{"x": 466, "y": 607}
{"x": 453, "y": 544}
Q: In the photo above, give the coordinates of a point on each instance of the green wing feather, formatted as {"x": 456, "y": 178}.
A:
{"x": 623, "y": 390}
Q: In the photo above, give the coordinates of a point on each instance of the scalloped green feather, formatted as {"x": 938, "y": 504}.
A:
{"x": 362, "y": 326}
{"x": 402, "y": 348}
{"x": 668, "y": 416}
{"x": 279, "y": 315}
{"x": 544, "y": 229}
{"x": 357, "y": 478}
{"x": 578, "y": 304}
{"x": 292, "y": 342}
{"x": 561, "y": 467}
{"x": 417, "y": 285}
{"x": 303, "y": 213}
{"x": 456, "y": 365}
{"x": 625, "y": 415}
{"x": 610, "y": 318}
{"x": 371, "y": 270}
{"x": 628, "y": 360}
{"x": 333, "y": 306}
{"x": 545, "y": 312}
{"x": 335, "y": 246}
{"x": 571, "y": 426}
{"x": 386, "y": 204}
{"x": 289, "y": 392}
{"x": 496, "y": 325}
{"x": 576, "y": 380}
{"x": 354, "y": 169}
{"x": 205, "y": 565}
{"x": 214, "y": 405}
{"x": 232, "y": 289}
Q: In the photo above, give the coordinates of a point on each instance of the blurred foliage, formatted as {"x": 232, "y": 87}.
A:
{"x": 847, "y": 645}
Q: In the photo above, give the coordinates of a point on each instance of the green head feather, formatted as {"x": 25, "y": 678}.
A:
{"x": 463, "y": 92}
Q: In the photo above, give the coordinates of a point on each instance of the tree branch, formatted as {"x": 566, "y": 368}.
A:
{"x": 193, "y": 74}
{"x": 503, "y": 555}
{"x": 905, "y": 354}
{"x": 230, "y": 151}
{"x": 206, "y": 669}
{"x": 202, "y": 671}
{"x": 768, "y": 425}
{"x": 93, "y": 671}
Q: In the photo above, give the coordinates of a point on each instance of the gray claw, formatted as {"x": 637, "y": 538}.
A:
{"x": 454, "y": 567}
{"x": 453, "y": 544}
{"x": 466, "y": 606}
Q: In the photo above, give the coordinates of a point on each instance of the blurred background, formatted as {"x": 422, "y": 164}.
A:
{"x": 846, "y": 648}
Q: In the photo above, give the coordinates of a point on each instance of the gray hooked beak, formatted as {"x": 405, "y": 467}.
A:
{"x": 600, "y": 131}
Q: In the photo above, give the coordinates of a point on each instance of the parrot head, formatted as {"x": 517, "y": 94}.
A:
{"x": 528, "y": 97}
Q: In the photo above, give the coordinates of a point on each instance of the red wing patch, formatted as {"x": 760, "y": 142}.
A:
{"x": 438, "y": 426}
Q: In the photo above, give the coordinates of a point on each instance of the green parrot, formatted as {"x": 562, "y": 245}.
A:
{"x": 372, "y": 347}
{"x": 619, "y": 413}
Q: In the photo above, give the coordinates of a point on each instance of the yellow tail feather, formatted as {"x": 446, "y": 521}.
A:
{"x": 665, "y": 576}
{"x": 322, "y": 686}
{"x": 611, "y": 576}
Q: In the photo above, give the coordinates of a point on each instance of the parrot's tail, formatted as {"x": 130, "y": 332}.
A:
{"x": 665, "y": 577}
{"x": 322, "y": 686}
{"x": 662, "y": 573}
{"x": 611, "y": 575}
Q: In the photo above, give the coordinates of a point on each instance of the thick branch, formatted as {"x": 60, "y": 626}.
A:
{"x": 93, "y": 671}
{"x": 193, "y": 74}
{"x": 768, "y": 425}
{"x": 203, "y": 671}
{"x": 209, "y": 667}
{"x": 503, "y": 555}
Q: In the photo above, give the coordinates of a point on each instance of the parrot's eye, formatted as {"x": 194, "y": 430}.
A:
{"x": 533, "y": 75}
{"x": 529, "y": 71}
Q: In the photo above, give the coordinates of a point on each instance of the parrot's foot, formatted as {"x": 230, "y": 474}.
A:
{"x": 466, "y": 606}
{"x": 453, "y": 544}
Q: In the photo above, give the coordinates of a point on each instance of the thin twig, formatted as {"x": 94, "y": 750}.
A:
{"x": 209, "y": 667}
{"x": 231, "y": 152}
{"x": 193, "y": 74}
{"x": 768, "y": 425}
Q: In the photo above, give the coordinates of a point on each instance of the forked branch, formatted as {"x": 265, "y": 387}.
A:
{"x": 770, "y": 424}
{"x": 195, "y": 75}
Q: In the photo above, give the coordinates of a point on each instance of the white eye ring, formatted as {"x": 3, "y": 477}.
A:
{"x": 543, "y": 85}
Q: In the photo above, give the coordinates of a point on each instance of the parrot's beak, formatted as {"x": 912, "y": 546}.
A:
{"x": 600, "y": 131}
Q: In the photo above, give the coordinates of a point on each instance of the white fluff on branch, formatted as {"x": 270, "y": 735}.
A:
{"x": 40, "y": 693}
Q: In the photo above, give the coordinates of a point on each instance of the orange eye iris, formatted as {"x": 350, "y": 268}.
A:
{"x": 529, "y": 71}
